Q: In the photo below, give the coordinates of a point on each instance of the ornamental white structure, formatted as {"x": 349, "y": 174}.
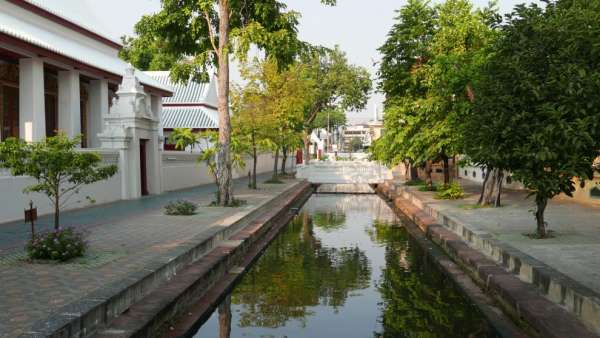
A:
{"x": 59, "y": 75}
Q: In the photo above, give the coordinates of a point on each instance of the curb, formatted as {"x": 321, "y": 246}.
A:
{"x": 81, "y": 318}
{"x": 521, "y": 298}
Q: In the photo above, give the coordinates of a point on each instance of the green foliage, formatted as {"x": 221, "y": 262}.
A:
{"x": 338, "y": 87}
{"x": 273, "y": 180}
{"x": 180, "y": 208}
{"x": 430, "y": 63}
{"x": 536, "y": 112}
{"x": 145, "y": 53}
{"x": 331, "y": 118}
{"x": 58, "y": 168}
{"x": 183, "y": 138}
{"x": 59, "y": 245}
{"x": 356, "y": 144}
{"x": 451, "y": 191}
{"x": 417, "y": 182}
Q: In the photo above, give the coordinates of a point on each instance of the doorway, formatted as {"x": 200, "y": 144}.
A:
{"x": 143, "y": 168}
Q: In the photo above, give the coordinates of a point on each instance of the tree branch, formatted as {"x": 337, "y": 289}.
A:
{"x": 211, "y": 33}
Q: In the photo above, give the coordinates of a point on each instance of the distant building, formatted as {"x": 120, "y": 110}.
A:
{"x": 360, "y": 131}
{"x": 193, "y": 105}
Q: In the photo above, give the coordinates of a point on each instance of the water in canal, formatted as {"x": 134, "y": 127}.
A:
{"x": 344, "y": 267}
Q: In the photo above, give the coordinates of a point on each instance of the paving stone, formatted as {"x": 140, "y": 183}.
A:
{"x": 127, "y": 240}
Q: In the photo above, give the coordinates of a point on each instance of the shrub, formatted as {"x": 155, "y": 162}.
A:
{"x": 452, "y": 191}
{"x": 58, "y": 245}
{"x": 415, "y": 182}
{"x": 180, "y": 208}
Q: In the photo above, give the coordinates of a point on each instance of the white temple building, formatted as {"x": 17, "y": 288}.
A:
{"x": 57, "y": 74}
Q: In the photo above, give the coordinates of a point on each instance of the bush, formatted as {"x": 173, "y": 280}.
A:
{"x": 452, "y": 191}
{"x": 59, "y": 245}
{"x": 415, "y": 182}
{"x": 180, "y": 208}
{"x": 434, "y": 187}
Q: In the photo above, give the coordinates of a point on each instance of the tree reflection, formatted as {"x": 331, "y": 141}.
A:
{"x": 297, "y": 272}
{"x": 417, "y": 299}
{"x": 329, "y": 221}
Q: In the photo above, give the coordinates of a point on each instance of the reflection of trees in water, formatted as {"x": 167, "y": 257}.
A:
{"x": 329, "y": 220}
{"x": 372, "y": 204}
{"x": 297, "y": 272}
{"x": 417, "y": 299}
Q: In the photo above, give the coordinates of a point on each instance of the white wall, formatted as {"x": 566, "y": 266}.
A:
{"x": 180, "y": 169}
{"x": 13, "y": 201}
{"x": 477, "y": 174}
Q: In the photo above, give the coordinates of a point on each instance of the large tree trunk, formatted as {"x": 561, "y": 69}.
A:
{"x": 428, "y": 171}
{"x": 541, "y": 203}
{"x": 492, "y": 188}
{"x": 306, "y": 148}
{"x": 225, "y": 187}
{"x": 276, "y": 163}
{"x": 446, "y": 162}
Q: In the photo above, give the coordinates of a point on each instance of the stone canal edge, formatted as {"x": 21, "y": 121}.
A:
{"x": 522, "y": 300}
{"x": 144, "y": 301}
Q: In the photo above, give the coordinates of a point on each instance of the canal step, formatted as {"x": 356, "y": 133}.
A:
{"x": 99, "y": 308}
{"x": 331, "y": 188}
{"x": 504, "y": 276}
{"x": 201, "y": 283}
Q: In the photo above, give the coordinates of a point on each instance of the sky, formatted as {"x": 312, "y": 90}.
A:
{"x": 359, "y": 27}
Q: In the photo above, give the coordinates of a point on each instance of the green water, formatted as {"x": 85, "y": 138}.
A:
{"x": 344, "y": 267}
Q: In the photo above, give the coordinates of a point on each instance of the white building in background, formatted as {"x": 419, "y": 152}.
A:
{"x": 360, "y": 131}
{"x": 193, "y": 105}
{"x": 58, "y": 74}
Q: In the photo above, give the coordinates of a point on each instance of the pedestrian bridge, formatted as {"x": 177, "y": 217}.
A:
{"x": 344, "y": 172}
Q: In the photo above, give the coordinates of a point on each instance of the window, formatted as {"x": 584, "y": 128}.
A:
{"x": 466, "y": 173}
{"x": 595, "y": 192}
{"x": 9, "y": 112}
{"x": 508, "y": 179}
{"x": 474, "y": 174}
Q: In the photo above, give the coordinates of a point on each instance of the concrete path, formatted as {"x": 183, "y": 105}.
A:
{"x": 124, "y": 238}
{"x": 575, "y": 251}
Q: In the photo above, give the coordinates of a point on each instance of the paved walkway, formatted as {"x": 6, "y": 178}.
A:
{"x": 124, "y": 237}
{"x": 575, "y": 251}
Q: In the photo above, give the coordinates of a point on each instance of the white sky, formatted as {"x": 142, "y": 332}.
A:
{"x": 358, "y": 26}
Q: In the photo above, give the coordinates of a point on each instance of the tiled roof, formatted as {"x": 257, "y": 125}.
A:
{"x": 189, "y": 117}
{"x": 36, "y": 34}
{"x": 192, "y": 92}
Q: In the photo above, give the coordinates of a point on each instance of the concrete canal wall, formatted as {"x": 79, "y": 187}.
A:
{"x": 539, "y": 297}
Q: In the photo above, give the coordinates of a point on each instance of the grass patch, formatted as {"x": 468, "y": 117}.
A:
{"x": 451, "y": 191}
{"x": 534, "y": 235}
{"x": 234, "y": 204}
{"x": 434, "y": 187}
{"x": 180, "y": 208}
{"x": 275, "y": 180}
{"x": 414, "y": 182}
{"x": 474, "y": 206}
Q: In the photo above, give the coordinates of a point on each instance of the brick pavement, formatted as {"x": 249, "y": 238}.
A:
{"x": 123, "y": 238}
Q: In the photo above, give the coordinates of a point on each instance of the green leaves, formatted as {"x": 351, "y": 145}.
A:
{"x": 59, "y": 169}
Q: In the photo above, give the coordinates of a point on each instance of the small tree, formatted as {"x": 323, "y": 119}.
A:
{"x": 59, "y": 169}
{"x": 356, "y": 144}
{"x": 183, "y": 138}
{"x": 210, "y": 152}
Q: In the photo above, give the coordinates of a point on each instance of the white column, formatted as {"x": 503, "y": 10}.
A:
{"x": 32, "y": 109}
{"x": 69, "y": 103}
{"x": 98, "y": 101}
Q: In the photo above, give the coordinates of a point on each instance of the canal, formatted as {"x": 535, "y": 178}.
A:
{"x": 344, "y": 267}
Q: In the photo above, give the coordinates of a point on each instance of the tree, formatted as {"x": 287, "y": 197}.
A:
{"x": 183, "y": 138}
{"x": 208, "y": 141}
{"x": 356, "y": 144}
{"x": 146, "y": 54}
{"x": 403, "y": 54}
{"x": 202, "y": 34}
{"x": 538, "y": 100}
{"x": 430, "y": 62}
{"x": 59, "y": 169}
{"x": 338, "y": 86}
